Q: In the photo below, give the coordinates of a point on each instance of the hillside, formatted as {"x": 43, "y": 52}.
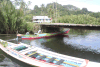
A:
{"x": 61, "y": 9}
{"x": 71, "y": 7}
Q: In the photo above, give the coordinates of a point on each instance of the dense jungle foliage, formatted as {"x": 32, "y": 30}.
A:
{"x": 15, "y": 15}
{"x": 13, "y": 20}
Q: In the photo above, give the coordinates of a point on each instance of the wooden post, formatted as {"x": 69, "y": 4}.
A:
{"x": 56, "y": 11}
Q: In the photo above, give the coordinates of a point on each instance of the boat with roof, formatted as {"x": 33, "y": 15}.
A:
{"x": 42, "y": 35}
{"x": 36, "y": 56}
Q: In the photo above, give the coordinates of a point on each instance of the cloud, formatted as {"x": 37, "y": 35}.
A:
{"x": 79, "y": 4}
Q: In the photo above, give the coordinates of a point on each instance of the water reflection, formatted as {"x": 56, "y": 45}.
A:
{"x": 76, "y": 45}
{"x": 7, "y": 37}
{"x": 6, "y": 62}
{"x": 89, "y": 42}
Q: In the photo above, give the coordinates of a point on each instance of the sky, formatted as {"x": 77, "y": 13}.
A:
{"x": 91, "y": 5}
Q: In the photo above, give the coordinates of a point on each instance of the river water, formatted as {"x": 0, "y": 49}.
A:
{"x": 77, "y": 43}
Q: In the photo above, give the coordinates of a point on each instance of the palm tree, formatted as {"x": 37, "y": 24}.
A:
{"x": 10, "y": 18}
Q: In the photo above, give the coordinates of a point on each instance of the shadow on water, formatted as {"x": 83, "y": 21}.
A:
{"x": 13, "y": 62}
{"x": 6, "y": 62}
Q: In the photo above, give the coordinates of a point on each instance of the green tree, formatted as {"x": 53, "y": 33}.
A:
{"x": 79, "y": 19}
{"x": 11, "y": 19}
{"x": 29, "y": 17}
{"x": 84, "y": 9}
{"x": 42, "y": 9}
{"x": 37, "y": 10}
{"x": 50, "y": 11}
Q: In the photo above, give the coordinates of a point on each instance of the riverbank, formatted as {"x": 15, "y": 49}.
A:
{"x": 7, "y": 34}
{"x": 26, "y": 27}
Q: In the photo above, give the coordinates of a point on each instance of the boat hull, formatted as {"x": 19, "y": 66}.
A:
{"x": 29, "y": 38}
{"x": 21, "y": 55}
{"x": 44, "y": 36}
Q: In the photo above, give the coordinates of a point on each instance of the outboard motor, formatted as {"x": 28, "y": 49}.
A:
{"x": 39, "y": 31}
{"x": 27, "y": 33}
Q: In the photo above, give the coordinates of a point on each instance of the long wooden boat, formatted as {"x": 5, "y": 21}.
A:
{"x": 40, "y": 57}
{"x": 42, "y": 35}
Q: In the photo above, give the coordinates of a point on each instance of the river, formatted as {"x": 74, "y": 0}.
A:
{"x": 77, "y": 43}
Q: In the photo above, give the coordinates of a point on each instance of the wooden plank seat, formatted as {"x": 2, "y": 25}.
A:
{"x": 41, "y": 57}
{"x": 50, "y": 60}
{"x": 34, "y": 55}
{"x": 30, "y": 52}
{"x": 72, "y": 63}
{"x": 59, "y": 62}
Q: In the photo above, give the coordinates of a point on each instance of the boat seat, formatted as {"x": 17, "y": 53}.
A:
{"x": 50, "y": 60}
{"x": 41, "y": 57}
{"x": 59, "y": 62}
{"x": 21, "y": 47}
{"x": 30, "y": 52}
{"x": 34, "y": 55}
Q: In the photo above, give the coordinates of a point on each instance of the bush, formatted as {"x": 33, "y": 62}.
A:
{"x": 32, "y": 27}
{"x": 11, "y": 19}
{"x": 79, "y": 19}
